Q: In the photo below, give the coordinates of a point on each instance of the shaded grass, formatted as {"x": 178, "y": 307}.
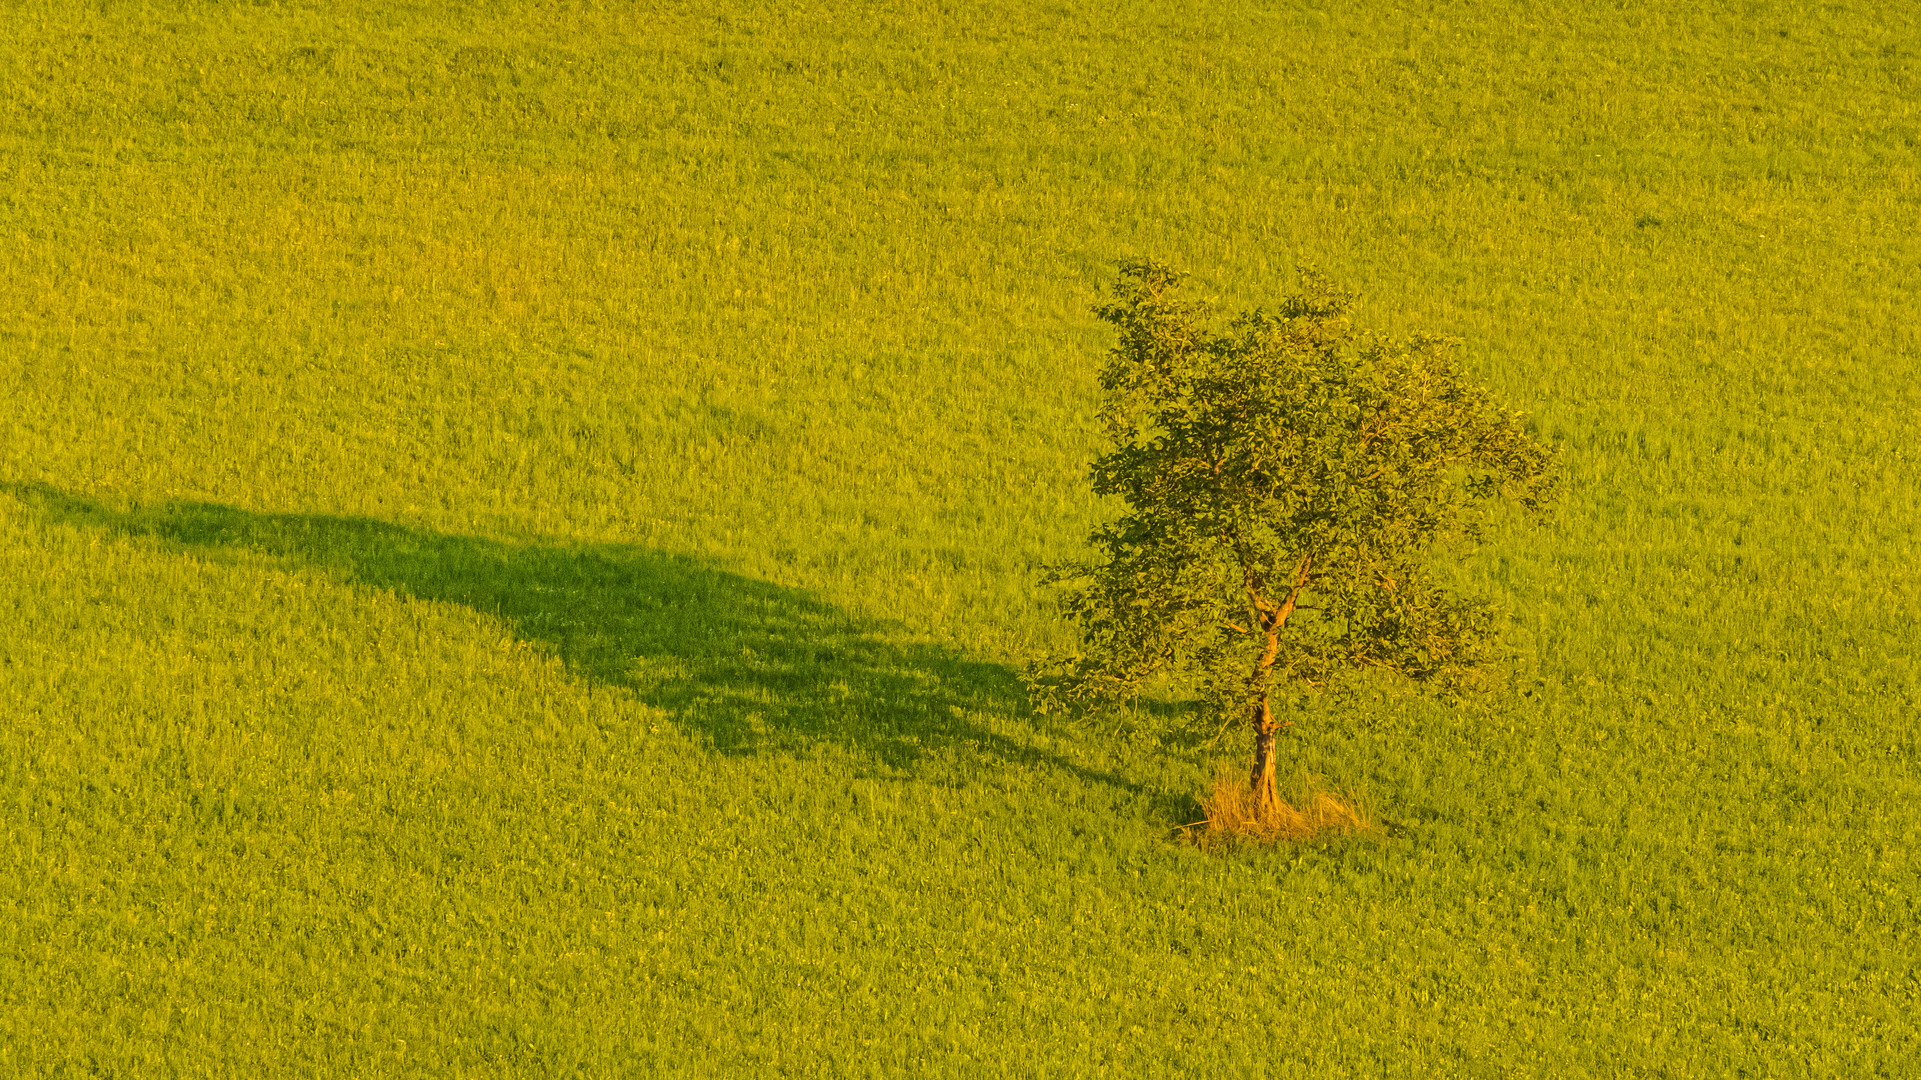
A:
{"x": 750, "y": 666}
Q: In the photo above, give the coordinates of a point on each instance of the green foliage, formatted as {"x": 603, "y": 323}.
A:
{"x": 1287, "y": 482}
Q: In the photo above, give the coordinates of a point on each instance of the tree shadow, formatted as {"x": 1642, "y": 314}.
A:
{"x": 751, "y": 666}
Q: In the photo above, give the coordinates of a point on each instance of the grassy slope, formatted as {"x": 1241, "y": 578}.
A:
{"x": 515, "y": 526}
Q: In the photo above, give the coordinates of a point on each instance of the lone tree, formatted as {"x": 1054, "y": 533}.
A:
{"x": 1290, "y": 486}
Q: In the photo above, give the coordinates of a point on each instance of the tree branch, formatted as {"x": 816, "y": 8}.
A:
{"x": 1300, "y": 582}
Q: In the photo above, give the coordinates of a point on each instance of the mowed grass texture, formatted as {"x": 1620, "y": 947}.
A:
{"x": 517, "y": 527}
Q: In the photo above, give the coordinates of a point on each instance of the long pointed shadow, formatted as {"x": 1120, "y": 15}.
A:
{"x": 751, "y": 665}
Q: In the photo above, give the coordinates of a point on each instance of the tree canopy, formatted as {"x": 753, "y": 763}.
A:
{"x": 1290, "y": 485}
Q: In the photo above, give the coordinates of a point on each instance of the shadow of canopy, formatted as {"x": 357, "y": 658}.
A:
{"x": 750, "y": 665}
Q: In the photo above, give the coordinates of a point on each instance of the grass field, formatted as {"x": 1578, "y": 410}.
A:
{"x": 518, "y": 526}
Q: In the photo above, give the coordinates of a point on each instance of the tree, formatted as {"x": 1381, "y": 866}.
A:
{"x": 1291, "y": 487}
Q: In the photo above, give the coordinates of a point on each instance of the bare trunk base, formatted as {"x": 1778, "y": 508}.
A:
{"x": 1261, "y": 783}
{"x": 1236, "y": 812}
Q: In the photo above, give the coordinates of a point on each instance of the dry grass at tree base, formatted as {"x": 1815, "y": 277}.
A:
{"x": 1233, "y": 812}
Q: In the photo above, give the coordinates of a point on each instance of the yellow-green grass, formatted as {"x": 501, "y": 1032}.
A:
{"x": 517, "y": 525}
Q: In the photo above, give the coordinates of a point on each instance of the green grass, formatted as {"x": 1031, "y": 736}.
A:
{"x": 517, "y": 526}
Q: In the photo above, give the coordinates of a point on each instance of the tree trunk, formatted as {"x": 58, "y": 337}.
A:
{"x": 1262, "y": 779}
{"x": 1273, "y": 619}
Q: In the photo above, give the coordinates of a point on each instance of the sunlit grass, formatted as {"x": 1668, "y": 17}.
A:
{"x": 515, "y": 525}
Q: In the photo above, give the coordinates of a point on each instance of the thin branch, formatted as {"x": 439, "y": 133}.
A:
{"x": 1300, "y": 582}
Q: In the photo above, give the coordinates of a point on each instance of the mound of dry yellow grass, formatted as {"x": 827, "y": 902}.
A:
{"x": 1235, "y": 812}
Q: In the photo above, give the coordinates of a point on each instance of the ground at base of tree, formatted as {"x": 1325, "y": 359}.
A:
{"x": 1235, "y": 813}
